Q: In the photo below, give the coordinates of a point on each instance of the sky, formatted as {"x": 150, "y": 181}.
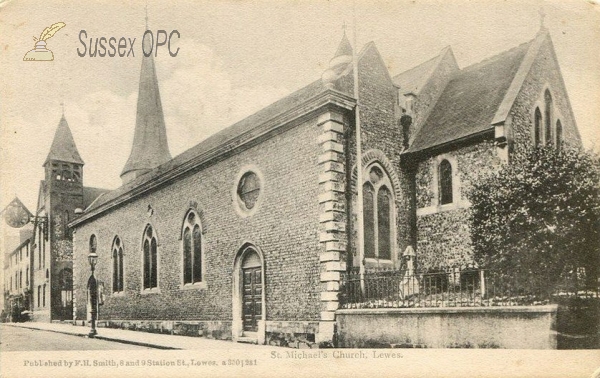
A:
{"x": 235, "y": 57}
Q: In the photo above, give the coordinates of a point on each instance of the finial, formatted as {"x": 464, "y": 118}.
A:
{"x": 344, "y": 26}
{"x": 146, "y": 16}
{"x": 62, "y": 105}
{"x": 542, "y": 16}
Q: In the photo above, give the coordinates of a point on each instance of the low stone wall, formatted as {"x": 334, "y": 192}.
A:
{"x": 299, "y": 335}
{"x": 293, "y": 334}
{"x": 519, "y": 327}
{"x": 220, "y": 330}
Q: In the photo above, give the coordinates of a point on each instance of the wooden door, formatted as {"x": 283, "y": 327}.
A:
{"x": 252, "y": 298}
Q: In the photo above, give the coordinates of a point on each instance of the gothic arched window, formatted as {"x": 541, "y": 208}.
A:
{"x": 537, "y": 127}
{"x": 548, "y": 117}
{"x": 378, "y": 214}
{"x": 559, "y": 134}
{"x": 117, "y": 265}
{"x": 369, "y": 220}
{"x": 445, "y": 179}
{"x": 150, "y": 246}
{"x": 192, "y": 249}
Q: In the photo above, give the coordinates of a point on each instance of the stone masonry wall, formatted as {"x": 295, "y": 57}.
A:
{"x": 284, "y": 226}
{"x": 443, "y": 236}
{"x": 544, "y": 74}
{"x": 380, "y": 131}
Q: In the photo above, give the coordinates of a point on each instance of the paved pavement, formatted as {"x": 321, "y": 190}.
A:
{"x": 145, "y": 339}
{"x": 28, "y": 339}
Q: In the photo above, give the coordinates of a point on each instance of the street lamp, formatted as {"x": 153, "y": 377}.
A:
{"x": 93, "y": 292}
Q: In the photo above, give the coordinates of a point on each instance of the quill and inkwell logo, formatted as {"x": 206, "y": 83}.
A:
{"x": 40, "y": 53}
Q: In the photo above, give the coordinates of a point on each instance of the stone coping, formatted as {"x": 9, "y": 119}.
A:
{"x": 449, "y": 310}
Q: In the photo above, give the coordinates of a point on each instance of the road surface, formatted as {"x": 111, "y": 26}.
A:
{"x": 20, "y": 339}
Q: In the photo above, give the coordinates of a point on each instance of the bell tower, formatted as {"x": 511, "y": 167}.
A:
{"x": 62, "y": 194}
{"x": 63, "y": 163}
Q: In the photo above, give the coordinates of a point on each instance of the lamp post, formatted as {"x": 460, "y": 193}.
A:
{"x": 93, "y": 292}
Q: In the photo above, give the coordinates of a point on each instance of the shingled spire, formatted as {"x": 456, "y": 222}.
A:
{"x": 63, "y": 146}
{"x": 150, "y": 147}
{"x": 340, "y": 64}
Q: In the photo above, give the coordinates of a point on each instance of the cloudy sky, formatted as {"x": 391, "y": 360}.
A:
{"x": 236, "y": 57}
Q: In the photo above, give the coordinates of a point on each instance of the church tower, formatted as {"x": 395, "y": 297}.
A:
{"x": 63, "y": 162}
{"x": 62, "y": 192}
{"x": 150, "y": 147}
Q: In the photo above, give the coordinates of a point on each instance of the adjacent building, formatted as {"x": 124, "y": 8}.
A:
{"x": 17, "y": 279}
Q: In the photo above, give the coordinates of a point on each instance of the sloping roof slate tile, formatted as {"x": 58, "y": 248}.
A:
{"x": 470, "y": 100}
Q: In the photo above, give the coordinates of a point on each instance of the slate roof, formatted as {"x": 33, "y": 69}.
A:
{"x": 90, "y": 194}
{"x": 217, "y": 140}
{"x": 63, "y": 146}
{"x": 413, "y": 80}
{"x": 470, "y": 100}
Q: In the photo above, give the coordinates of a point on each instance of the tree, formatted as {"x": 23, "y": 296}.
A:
{"x": 538, "y": 217}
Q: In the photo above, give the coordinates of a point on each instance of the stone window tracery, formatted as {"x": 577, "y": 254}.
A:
{"x": 378, "y": 214}
{"x": 192, "y": 249}
{"x": 117, "y": 265}
{"x": 150, "y": 258}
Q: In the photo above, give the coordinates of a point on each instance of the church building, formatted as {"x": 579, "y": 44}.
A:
{"x": 247, "y": 235}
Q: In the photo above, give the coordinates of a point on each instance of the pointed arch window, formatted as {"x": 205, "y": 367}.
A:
{"x": 559, "y": 134}
{"x": 369, "y": 220}
{"x": 537, "y": 128}
{"x": 150, "y": 267}
{"x": 548, "y": 117}
{"x": 117, "y": 265}
{"x": 192, "y": 249}
{"x": 378, "y": 214}
{"x": 445, "y": 184}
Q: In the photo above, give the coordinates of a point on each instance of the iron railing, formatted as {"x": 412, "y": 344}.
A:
{"x": 458, "y": 287}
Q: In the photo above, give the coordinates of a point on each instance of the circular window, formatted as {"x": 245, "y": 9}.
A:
{"x": 248, "y": 190}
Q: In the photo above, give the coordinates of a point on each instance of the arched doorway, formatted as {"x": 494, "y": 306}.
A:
{"x": 249, "y": 295}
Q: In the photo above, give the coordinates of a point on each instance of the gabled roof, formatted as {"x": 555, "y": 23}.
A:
{"x": 471, "y": 99}
{"x": 63, "y": 146}
{"x": 414, "y": 79}
{"x": 91, "y": 194}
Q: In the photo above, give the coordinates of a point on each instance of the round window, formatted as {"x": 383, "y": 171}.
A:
{"x": 248, "y": 189}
